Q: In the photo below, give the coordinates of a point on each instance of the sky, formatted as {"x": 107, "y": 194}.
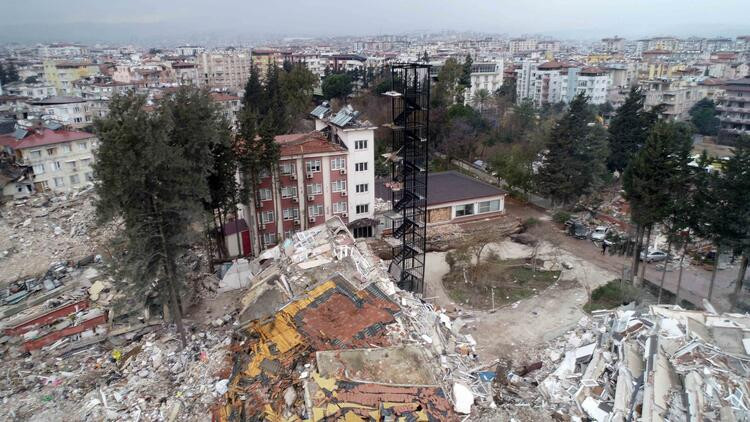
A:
{"x": 226, "y": 20}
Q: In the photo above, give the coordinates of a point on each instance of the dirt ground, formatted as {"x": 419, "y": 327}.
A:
{"x": 510, "y": 331}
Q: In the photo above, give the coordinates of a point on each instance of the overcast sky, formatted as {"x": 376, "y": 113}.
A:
{"x": 176, "y": 20}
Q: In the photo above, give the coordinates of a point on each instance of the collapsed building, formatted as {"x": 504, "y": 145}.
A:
{"x": 326, "y": 335}
{"x": 662, "y": 363}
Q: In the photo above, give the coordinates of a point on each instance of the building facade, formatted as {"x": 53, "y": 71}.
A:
{"x": 228, "y": 69}
{"x": 60, "y": 159}
{"x": 734, "y": 107}
{"x": 487, "y": 76}
{"x": 324, "y": 173}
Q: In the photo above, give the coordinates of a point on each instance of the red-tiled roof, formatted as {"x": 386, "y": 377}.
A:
{"x": 592, "y": 70}
{"x": 217, "y": 96}
{"x": 45, "y": 137}
{"x": 306, "y": 143}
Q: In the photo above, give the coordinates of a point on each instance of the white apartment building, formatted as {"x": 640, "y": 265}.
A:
{"x": 228, "y": 69}
{"x": 487, "y": 76}
{"x": 675, "y": 96}
{"x": 36, "y": 91}
{"x": 61, "y": 159}
{"x": 63, "y": 50}
{"x": 553, "y": 82}
{"x": 520, "y": 45}
{"x": 188, "y": 50}
{"x": 593, "y": 82}
{"x": 71, "y": 111}
{"x": 613, "y": 45}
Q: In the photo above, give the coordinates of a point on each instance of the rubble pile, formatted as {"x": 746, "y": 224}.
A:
{"x": 326, "y": 335}
{"x": 47, "y": 227}
{"x": 665, "y": 363}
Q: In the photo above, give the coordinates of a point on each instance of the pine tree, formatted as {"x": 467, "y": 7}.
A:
{"x": 11, "y": 73}
{"x": 254, "y": 97}
{"x": 152, "y": 171}
{"x": 628, "y": 131}
{"x": 3, "y": 75}
{"x": 574, "y": 163}
{"x": 649, "y": 179}
{"x": 274, "y": 108}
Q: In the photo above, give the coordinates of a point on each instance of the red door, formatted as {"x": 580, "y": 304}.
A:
{"x": 246, "y": 243}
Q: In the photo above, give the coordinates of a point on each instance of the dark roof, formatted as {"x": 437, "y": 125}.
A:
{"x": 59, "y": 100}
{"x": 448, "y": 186}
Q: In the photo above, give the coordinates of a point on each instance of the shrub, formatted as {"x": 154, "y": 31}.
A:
{"x": 561, "y": 217}
{"x": 531, "y": 221}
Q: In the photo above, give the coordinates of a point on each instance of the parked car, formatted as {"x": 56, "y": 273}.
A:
{"x": 654, "y": 256}
{"x": 580, "y": 231}
{"x": 599, "y": 233}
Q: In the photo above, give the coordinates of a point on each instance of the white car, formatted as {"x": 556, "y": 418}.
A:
{"x": 599, "y": 233}
{"x": 654, "y": 256}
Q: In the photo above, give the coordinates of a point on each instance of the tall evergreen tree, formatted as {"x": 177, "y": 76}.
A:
{"x": 628, "y": 130}
{"x": 650, "y": 176}
{"x": 11, "y": 73}
{"x": 704, "y": 116}
{"x": 576, "y": 150}
{"x": 254, "y": 98}
{"x": 3, "y": 74}
{"x": 297, "y": 90}
{"x": 465, "y": 79}
{"x": 152, "y": 171}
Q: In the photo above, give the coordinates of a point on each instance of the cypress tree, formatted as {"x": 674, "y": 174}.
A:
{"x": 628, "y": 131}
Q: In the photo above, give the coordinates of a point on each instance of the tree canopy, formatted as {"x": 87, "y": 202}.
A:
{"x": 628, "y": 130}
{"x": 704, "y": 116}
{"x": 337, "y": 86}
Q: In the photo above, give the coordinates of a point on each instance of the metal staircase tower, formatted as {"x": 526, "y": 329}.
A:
{"x": 410, "y": 99}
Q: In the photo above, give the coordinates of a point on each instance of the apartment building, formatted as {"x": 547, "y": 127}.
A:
{"x": 36, "y": 91}
{"x": 329, "y": 171}
{"x": 61, "y": 159}
{"x": 226, "y": 69}
{"x": 63, "y": 50}
{"x": 544, "y": 83}
{"x": 613, "y": 45}
{"x": 520, "y": 45}
{"x": 75, "y": 112}
{"x": 186, "y": 73}
{"x": 487, "y": 76}
{"x": 593, "y": 82}
{"x": 189, "y": 50}
{"x": 734, "y": 107}
{"x": 62, "y": 74}
{"x": 229, "y": 105}
{"x": 675, "y": 96}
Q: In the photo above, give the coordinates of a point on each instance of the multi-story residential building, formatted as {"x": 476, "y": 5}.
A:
{"x": 62, "y": 74}
{"x": 262, "y": 58}
{"x": 613, "y": 45}
{"x": 593, "y": 82}
{"x": 520, "y": 45}
{"x": 35, "y": 91}
{"x": 63, "y": 50}
{"x": 550, "y": 46}
{"x": 734, "y": 107}
{"x": 675, "y": 96}
{"x": 663, "y": 43}
{"x": 71, "y": 111}
{"x": 719, "y": 44}
{"x": 229, "y": 105}
{"x": 186, "y": 73}
{"x": 544, "y": 83}
{"x": 487, "y": 76}
{"x": 226, "y": 69}
{"x": 61, "y": 159}
{"x": 329, "y": 171}
{"x": 189, "y": 51}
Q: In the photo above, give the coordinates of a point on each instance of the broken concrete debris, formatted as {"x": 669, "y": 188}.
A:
{"x": 665, "y": 363}
{"x": 326, "y": 335}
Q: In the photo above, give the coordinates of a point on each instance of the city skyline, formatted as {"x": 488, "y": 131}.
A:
{"x": 230, "y": 21}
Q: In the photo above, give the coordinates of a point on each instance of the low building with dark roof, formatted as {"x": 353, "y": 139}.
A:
{"x": 452, "y": 197}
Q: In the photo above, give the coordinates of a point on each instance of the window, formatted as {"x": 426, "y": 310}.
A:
{"x": 358, "y": 145}
{"x": 339, "y": 207}
{"x": 362, "y": 232}
{"x": 315, "y": 210}
{"x": 364, "y": 187}
{"x": 266, "y": 217}
{"x": 263, "y": 173}
{"x": 489, "y": 206}
{"x": 35, "y": 154}
{"x": 289, "y": 192}
{"x": 86, "y": 162}
{"x": 59, "y": 181}
{"x": 291, "y": 213}
{"x": 338, "y": 186}
{"x": 360, "y": 166}
{"x": 264, "y": 194}
{"x": 78, "y": 120}
{"x": 315, "y": 189}
{"x": 56, "y": 166}
{"x": 83, "y": 145}
{"x": 338, "y": 163}
{"x": 269, "y": 238}
{"x": 51, "y": 151}
{"x": 313, "y": 166}
{"x": 38, "y": 168}
{"x": 464, "y": 210}
{"x": 363, "y": 208}
{"x": 71, "y": 165}
{"x": 67, "y": 148}
{"x": 74, "y": 179}
{"x": 286, "y": 168}
{"x": 89, "y": 177}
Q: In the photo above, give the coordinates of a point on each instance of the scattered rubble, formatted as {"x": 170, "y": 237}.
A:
{"x": 665, "y": 363}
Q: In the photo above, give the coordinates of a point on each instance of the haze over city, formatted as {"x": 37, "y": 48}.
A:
{"x": 385, "y": 211}
{"x": 238, "y": 20}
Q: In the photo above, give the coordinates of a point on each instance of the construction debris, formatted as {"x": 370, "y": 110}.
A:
{"x": 326, "y": 335}
{"x": 666, "y": 363}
